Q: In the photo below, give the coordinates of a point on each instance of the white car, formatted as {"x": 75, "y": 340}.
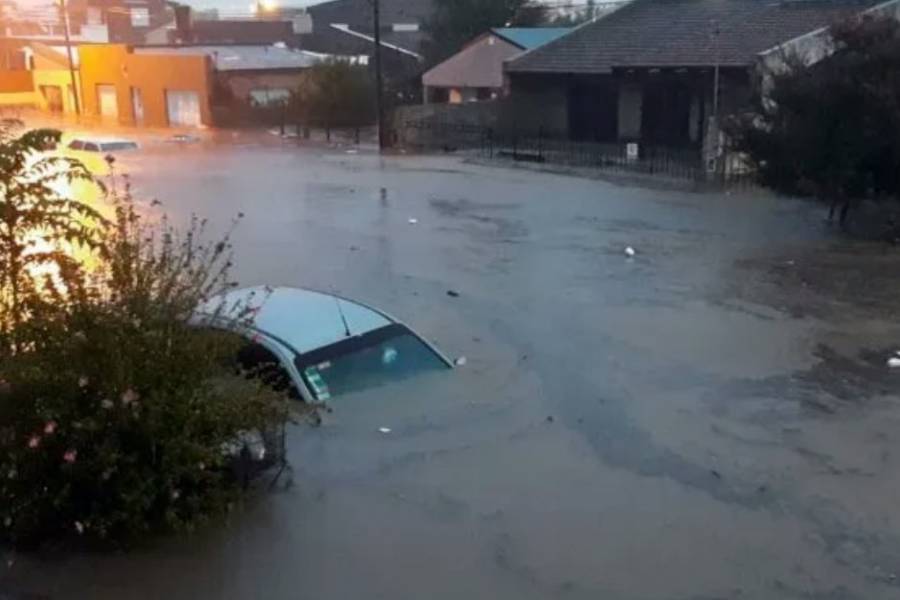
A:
{"x": 324, "y": 345}
{"x": 101, "y": 145}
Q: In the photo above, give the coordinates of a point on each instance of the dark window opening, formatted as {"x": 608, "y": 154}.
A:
{"x": 593, "y": 113}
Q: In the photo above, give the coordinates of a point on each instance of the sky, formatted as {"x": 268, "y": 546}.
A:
{"x": 235, "y": 8}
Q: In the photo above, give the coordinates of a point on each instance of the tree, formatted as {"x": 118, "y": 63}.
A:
{"x": 37, "y": 218}
{"x": 335, "y": 94}
{"x": 456, "y": 22}
{"x": 831, "y": 129}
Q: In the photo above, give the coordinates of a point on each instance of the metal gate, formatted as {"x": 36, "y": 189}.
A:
{"x": 183, "y": 108}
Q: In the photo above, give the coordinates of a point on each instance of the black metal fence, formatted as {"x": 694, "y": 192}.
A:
{"x": 679, "y": 163}
{"x": 684, "y": 164}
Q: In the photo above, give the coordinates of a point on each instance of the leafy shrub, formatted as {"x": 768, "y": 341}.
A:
{"x": 335, "y": 94}
{"x": 114, "y": 410}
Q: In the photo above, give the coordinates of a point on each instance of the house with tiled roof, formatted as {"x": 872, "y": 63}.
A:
{"x": 476, "y": 71}
{"x": 660, "y": 72}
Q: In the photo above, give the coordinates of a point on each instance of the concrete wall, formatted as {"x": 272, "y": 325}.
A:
{"x": 16, "y": 81}
{"x": 153, "y": 74}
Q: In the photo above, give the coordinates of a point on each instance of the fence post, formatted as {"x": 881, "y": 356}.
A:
{"x": 515, "y": 143}
{"x": 540, "y": 144}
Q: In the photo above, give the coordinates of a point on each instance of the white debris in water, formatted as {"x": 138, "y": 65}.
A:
{"x": 461, "y": 361}
{"x": 384, "y": 429}
{"x": 894, "y": 362}
{"x": 352, "y": 151}
{"x": 630, "y": 252}
{"x": 413, "y": 221}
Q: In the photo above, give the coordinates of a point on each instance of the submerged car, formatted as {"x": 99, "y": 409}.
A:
{"x": 103, "y": 145}
{"x": 324, "y": 345}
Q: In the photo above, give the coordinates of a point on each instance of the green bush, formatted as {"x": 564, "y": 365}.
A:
{"x": 115, "y": 410}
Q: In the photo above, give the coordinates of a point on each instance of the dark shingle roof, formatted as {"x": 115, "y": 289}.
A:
{"x": 670, "y": 33}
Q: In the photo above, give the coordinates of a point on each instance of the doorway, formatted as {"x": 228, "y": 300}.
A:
{"x": 137, "y": 105}
{"x": 106, "y": 101}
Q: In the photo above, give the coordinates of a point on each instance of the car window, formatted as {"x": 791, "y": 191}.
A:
{"x": 76, "y": 145}
{"x": 258, "y": 362}
{"x": 370, "y": 360}
{"x": 119, "y": 146}
{"x": 91, "y": 147}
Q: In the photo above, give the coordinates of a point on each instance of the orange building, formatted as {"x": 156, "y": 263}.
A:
{"x": 145, "y": 88}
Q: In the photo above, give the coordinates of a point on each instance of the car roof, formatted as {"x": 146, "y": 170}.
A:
{"x": 100, "y": 140}
{"x": 303, "y": 319}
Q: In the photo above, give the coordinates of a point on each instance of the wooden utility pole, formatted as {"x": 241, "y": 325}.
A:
{"x": 65, "y": 18}
{"x": 379, "y": 84}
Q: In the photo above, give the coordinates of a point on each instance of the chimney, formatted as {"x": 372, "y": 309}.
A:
{"x": 183, "y": 28}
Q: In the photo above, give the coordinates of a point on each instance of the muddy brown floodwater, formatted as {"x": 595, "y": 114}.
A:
{"x": 723, "y": 422}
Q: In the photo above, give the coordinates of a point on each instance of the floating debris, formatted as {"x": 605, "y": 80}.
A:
{"x": 384, "y": 429}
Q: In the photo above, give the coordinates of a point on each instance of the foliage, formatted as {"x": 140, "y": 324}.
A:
{"x": 114, "y": 409}
{"x": 457, "y": 22}
{"x": 576, "y": 17}
{"x": 36, "y": 216}
{"x": 832, "y": 129}
{"x": 335, "y": 94}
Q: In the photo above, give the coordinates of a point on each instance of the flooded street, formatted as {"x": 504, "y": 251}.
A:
{"x": 712, "y": 418}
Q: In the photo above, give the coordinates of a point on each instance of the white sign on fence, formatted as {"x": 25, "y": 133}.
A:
{"x": 631, "y": 151}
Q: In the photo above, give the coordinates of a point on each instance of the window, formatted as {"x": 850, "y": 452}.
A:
{"x": 269, "y": 96}
{"x": 391, "y": 353}
{"x": 140, "y": 17}
{"x": 118, "y": 146}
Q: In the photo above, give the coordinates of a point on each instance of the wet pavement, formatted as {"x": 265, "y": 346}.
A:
{"x": 710, "y": 419}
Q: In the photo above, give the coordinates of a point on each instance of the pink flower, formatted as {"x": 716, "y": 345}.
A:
{"x": 70, "y": 456}
{"x": 50, "y": 427}
{"x": 129, "y": 396}
{"x": 34, "y": 441}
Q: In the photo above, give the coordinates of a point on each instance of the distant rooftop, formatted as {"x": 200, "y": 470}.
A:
{"x": 528, "y": 38}
{"x": 243, "y": 58}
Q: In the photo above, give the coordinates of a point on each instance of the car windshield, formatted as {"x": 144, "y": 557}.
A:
{"x": 118, "y": 146}
{"x": 370, "y": 360}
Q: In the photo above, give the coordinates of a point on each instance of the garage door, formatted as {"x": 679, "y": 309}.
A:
{"x": 183, "y": 108}
{"x": 106, "y": 98}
